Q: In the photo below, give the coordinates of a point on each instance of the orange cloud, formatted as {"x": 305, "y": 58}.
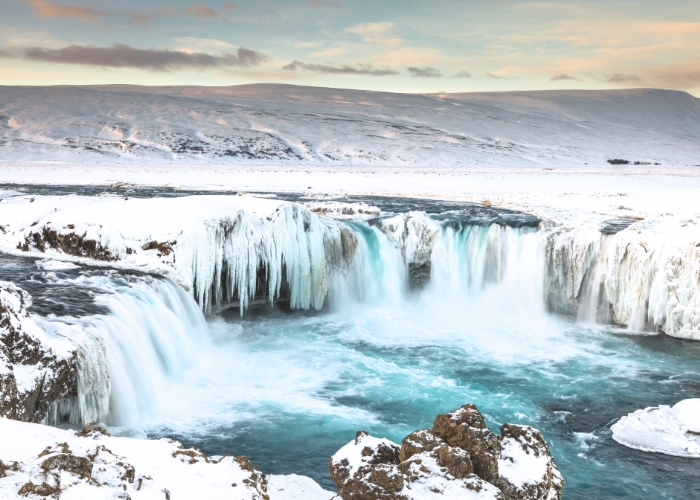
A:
{"x": 48, "y": 10}
{"x": 199, "y": 10}
{"x": 375, "y": 33}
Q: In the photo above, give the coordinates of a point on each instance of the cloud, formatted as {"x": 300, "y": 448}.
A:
{"x": 201, "y": 11}
{"x": 48, "y": 10}
{"x": 141, "y": 19}
{"x": 462, "y": 74}
{"x": 681, "y": 75}
{"x": 622, "y": 78}
{"x": 361, "y": 69}
{"x": 562, "y": 76}
{"x": 426, "y": 72}
{"x": 494, "y": 76}
{"x": 320, "y": 4}
{"x": 124, "y": 56}
{"x": 228, "y": 7}
{"x": 375, "y": 33}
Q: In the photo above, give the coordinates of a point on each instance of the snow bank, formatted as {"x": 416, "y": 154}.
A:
{"x": 647, "y": 275}
{"x": 662, "y": 429}
{"x": 91, "y": 465}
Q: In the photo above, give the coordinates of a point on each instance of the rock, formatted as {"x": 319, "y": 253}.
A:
{"x": 459, "y": 458}
{"x": 352, "y": 469}
{"x": 418, "y": 442}
{"x": 36, "y": 370}
{"x": 80, "y": 466}
{"x": 526, "y": 467}
{"x": 465, "y": 428}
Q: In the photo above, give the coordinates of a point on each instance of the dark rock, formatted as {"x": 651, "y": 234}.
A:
{"x": 79, "y": 466}
{"x": 618, "y": 162}
{"x": 42, "y": 490}
{"x": 21, "y": 345}
{"x": 418, "y": 442}
{"x": 465, "y": 428}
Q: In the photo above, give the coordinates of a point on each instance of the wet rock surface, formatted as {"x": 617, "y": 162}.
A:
{"x": 460, "y": 458}
{"x": 33, "y": 374}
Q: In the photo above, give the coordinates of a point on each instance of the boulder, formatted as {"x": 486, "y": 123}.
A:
{"x": 460, "y": 458}
{"x": 36, "y": 370}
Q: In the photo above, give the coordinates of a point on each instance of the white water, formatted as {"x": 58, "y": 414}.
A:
{"x": 155, "y": 331}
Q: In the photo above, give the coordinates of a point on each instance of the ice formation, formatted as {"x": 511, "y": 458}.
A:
{"x": 647, "y": 275}
{"x": 222, "y": 248}
{"x": 236, "y": 250}
{"x": 45, "y": 461}
{"x": 662, "y": 429}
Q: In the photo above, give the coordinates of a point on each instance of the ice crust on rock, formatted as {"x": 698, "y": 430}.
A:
{"x": 647, "y": 275}
{"x": 36, "y": 368}
{"x": 414, "y": 233}
{"x": 672, "y": 430}
{"x": 41, "y": 460}
{"x": 460, "y": 458}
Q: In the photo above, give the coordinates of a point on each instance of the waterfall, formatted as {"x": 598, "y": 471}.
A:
{"x": 410, "y": 263}
{"x": 125, "y": 357}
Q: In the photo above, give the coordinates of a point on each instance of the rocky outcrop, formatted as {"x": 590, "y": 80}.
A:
{"x": 36, "y": 370}
{"x": 459, "y": 458}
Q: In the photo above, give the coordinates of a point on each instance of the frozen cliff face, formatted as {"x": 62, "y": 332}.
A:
{"x": 342, "y": 210}
{"x": 224, "y": 249}
{"x": 459, "y": 459}
{"x": 49, "y": 462}
{"x": 662, "y": 429}
{"x": 647, "y": 275}
{"x": 36, "y": 369}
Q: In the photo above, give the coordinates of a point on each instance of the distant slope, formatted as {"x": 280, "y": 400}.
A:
{"x": 284, "y": 124}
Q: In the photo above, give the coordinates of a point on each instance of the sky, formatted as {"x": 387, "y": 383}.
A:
{"x": 388, "y": 45}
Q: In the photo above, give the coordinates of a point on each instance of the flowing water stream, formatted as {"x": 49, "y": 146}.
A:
{"x": 288, "y": 388}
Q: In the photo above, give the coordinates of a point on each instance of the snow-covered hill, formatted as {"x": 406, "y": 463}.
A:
{"x": 283, "y": 124}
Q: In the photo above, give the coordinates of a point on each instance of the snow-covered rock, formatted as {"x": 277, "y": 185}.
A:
{"x": 459, "y": 459}
{"x": 44, "y": 461}
{"x": 414, "y": 233}
{"x": 662, "y": 429}
{"x": 342, "y": 210}
{"x": 36, "y": 369}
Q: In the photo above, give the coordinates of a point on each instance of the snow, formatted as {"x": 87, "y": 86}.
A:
{"x": 664, "y": 429}
{"x": 353, "y": 451}
{"x": 284, "y": 124}
{"x": 295, "y": 487}
{"x": 521, "y": 466}
{"x": 55, "y": 265}
{"x": 157, "y": 466}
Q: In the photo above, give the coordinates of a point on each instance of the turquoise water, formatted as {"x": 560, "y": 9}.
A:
{"x": 288, "y": 389}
